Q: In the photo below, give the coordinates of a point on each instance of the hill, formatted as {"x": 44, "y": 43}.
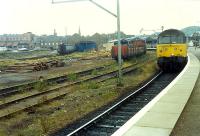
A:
{"x": 190, "y": 30}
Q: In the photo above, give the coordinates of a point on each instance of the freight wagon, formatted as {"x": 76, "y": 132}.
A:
{"x": 85, "y": 46}
{"x": 78, "y": 47}
{"x": 129, "y": 48}
{"x": 66, "y": 49}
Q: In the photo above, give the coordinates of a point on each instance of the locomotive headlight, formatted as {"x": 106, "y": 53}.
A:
{"x": 172, "y": 54}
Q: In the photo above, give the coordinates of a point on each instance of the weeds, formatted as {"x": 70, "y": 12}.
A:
{"x": 93, "y": 85}
{"x": 44, "y": 123}
{"x": 43, "y": 99}
{"x": 40, "y": 86}
{"x": 94, "y": 72}
{"x": 2, "y": 133}
{"x": 22, "y": 89}
{"x": 72, "y": 77}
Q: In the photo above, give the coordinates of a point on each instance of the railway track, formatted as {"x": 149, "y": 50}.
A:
{"x": 28, "y": 86}
{"x": 114, "y": 117}
{"x": 34, "y": 99}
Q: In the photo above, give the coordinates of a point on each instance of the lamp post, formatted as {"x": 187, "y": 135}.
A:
{"x": 118, "y": 30}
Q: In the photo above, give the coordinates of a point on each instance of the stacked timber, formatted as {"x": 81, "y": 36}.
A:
{"x": 30, "y": 67}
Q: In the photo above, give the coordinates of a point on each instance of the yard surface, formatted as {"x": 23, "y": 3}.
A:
{"x": 73, "y": 63}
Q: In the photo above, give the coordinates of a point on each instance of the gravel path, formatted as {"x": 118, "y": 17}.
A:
{"x": 189, "y": 121}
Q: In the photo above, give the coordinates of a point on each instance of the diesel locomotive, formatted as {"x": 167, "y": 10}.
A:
{"x": 171, "y": 50}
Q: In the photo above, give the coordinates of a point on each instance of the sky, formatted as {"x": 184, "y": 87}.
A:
{"x": 42, "y": 17}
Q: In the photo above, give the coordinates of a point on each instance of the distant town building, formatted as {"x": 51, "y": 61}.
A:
{"x": 48, "y": 41}
{"x": 29, "y": 40}
{"x": 16, "y": 40}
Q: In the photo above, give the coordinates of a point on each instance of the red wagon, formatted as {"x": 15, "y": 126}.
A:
{"x": 129, "y": 48}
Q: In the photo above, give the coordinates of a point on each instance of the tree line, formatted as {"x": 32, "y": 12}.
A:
{"x": 100, "y": 39}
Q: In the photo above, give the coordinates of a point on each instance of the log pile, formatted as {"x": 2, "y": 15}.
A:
{"x": 30, "y": 67}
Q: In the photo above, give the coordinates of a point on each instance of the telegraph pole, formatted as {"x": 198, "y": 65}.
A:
{"x": 118, "y": 30}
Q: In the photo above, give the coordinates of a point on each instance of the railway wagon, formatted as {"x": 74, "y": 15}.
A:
{"x": 86, "y": 46}
{"x": 171, "y": 50}
{"x": 65, "y": 49}
{"x": 129, "y": 48}
{"x": 151, "y": 42}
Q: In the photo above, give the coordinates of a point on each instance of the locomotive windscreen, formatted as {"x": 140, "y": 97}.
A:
{"x": 171, "y": 37}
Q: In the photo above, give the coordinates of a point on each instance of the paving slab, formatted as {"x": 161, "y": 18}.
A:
{"x": 156, "y": 119}
{"x": 147, "y": 131}
{"x": 170, "y": 98}
{"x": 168, "y": 107}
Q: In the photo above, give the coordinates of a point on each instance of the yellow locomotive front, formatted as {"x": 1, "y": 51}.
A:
{"x": 171, "y": 50}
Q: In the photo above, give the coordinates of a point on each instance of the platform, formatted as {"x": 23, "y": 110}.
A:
{"x": 159, "y": 117}
{"x": 189, "y": 121}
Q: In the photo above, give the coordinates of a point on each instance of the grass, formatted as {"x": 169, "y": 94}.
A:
{"x": 41, "y": 86}
{"x": 93, "y": 85}
{"x": 72, "y": 77}
{"x": 44, "y": 123}
{"x": 94, "y": 72}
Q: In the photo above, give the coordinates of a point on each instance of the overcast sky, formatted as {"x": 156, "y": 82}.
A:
{"x": 41, "y": 17}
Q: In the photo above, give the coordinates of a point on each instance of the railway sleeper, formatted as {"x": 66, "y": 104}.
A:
{"x": 134, "y": 104}
{"x": 149, "y": 97}
{"x": 164, "y": 82}
{"x": 132, "y": 108}
{"x": 127, "y": 113}
{"x": 141, "y": 102}
{"x": 138, "y": 102}
{"x": 140, "y": 99}
{"x": 111, "y": 120}
{"x": 110, "y": 123}
{"x": 157, "y": 87}
{"x": 143, "y": 96}
{"x": 120, "y": 117}
{"x": 149, "y": 94}
{"x": 153, "y": 92}
{"x": 101, "y": 130}
{"x": 117, "y": 118}
{"x": 96, "y": 133}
